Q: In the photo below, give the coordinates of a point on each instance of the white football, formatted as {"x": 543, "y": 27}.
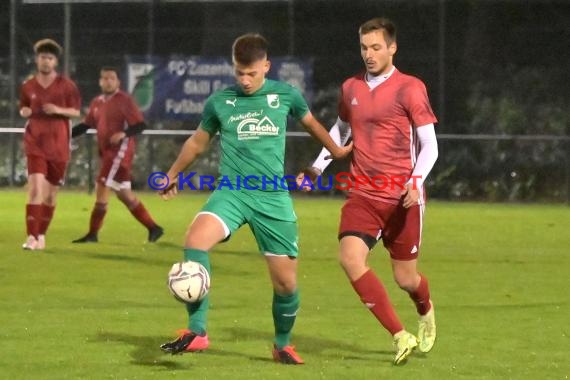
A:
{"x": 188, "y": 281}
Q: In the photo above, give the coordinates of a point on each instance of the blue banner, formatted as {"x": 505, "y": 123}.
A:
{"x": 177, "y": 87}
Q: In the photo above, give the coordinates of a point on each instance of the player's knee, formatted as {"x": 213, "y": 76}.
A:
{"x": 49, "y": 199}
{"x": 284, "y": 286}
{"x": 129, "y": 201}
{"x": 348, "y": 261}
{"x": 197, "y": 240}
{"x": 193, "y": 240}
{"x": 35, "y": 196}
{"x": 354, "y": 266}
{"x": 406, "y": 281}
{"x": 100, "y": 206}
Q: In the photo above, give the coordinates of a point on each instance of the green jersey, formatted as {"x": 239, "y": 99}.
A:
{"x": 252, "y": 129}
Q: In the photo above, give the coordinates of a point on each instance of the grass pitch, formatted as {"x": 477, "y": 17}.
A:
{"x": 498, "y": 276}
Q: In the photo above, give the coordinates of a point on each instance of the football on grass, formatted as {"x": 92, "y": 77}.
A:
{"x": 188, "y": 281}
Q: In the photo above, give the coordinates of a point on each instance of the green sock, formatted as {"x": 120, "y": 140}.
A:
{"x": 198, "y": 311}
{"x": 284, "y": 313}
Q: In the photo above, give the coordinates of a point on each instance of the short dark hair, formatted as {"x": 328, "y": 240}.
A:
{"x": 110, "y": 68}
{"x": 249, "y": 48}
{"x": 387, "y": 27}
{"x": 48, "y": 46}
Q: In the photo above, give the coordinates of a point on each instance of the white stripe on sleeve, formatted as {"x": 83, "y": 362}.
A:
{"x": 340, "y": 133}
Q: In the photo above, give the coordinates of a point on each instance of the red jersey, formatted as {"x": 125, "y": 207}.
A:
{"x": 46, "y": 135}
{"x": 112, "y": 114}
{"x": 383, "y": 122}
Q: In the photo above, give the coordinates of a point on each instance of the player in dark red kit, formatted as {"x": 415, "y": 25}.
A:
{"x": 48, "y": 100}
{"x": 117, "y": 120}
{"x": 390, "y": 118}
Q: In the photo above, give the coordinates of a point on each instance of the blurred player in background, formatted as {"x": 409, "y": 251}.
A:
{"x": 251, "y": 118}
{"x": 117, "y": 120}
{"x": 390, "y": 118}
{"x": 48, "y": 100}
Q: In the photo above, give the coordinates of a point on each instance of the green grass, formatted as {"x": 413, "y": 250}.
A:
{"x": 498, "y": 276}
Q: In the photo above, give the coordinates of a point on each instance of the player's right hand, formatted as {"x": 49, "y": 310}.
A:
{"x": 116, "y": 138}
{"x": 309, "y": 173}
{"x": 51, "y": 109}
{"x": 341, "y": 152}
{"x": 25, "y": 112}
{"x": 170, "y": 190}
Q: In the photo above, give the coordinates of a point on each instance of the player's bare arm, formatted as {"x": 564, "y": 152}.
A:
{"x": 52, "y": 109}
{"x": 194, "y": 146}
{"x": 340, "y": 133}
{"x": 319, "y": 133}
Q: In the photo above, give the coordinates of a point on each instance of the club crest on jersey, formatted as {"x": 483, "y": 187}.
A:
{"x": 273, "y": 100}
{"x": 252, "y": 128}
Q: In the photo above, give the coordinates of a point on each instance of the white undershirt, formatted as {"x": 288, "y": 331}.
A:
{"x": 428, "y": 153}
{"x": 374, "y": 81}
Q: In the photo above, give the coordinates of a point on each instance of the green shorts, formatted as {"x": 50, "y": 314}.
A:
{"x": 270, "y": 216}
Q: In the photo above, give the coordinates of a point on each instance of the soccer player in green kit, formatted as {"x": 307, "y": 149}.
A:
{"x": 251, "y": 118}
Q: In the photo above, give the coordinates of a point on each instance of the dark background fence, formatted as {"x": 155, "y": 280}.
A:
{"x": 495, "y": 72}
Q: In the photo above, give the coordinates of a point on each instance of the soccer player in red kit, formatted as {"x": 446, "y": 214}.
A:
{"x": 391, "y": 121}
{"x": 117, "y": 120}
{"x": 48, "y": 101}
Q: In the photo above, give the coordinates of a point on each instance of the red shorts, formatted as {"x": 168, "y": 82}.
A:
{"x": 399, "y": 228}
{"x": 114, "y": 175}
{"x": 54, "y": 171}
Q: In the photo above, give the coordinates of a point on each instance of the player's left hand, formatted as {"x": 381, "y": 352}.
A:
{"x": 411, "y": 195}
{"x": 309, "y": 173}
{"x": 170, "y": 188}
{"x": 51, "y": 109}
{"x": 341, "y": 152}
{"x": 116, "y": 138}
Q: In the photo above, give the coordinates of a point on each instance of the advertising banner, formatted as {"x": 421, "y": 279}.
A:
{"x": 177, "y": 87}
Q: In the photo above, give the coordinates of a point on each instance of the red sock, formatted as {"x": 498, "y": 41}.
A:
{"x": 47, "y": 216}
{"x": 373, "y": 294}
{"x": 142, "y": 215}
{"x": 97, "y": 216}
{"x": 33, "y": 219}
{"x": 420, "y": 296}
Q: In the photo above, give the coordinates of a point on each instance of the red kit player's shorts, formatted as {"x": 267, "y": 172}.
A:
{"x": 399, "y": 228}
{"x": 54, "y": 171}
{"x": 114, "y": 175}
